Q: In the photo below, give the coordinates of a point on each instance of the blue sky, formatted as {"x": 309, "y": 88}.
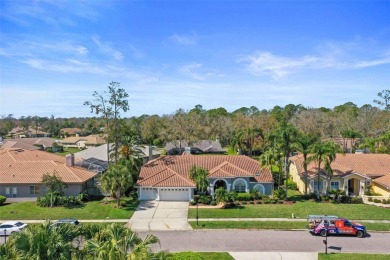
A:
{"x": 177, "y": 54}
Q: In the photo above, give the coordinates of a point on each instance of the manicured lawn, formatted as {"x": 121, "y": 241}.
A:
{"x": 271, "y": 225}
{"x": 91, "y": 210}
{"x": 300, "y": 209}
{"x": 353, "y": 256}
{"x": 201, "y": 256}
{"x": 68, "y": 151}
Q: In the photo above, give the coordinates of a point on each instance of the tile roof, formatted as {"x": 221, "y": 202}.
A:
{"x": 71, "y": 131}
{"x": 384, "y": 180}
{"x": 204, "y": 145}
{"x": 27, "y": 143}
{"x": 370, "y": 165}
{"x": 173, "y": 171}
{"x": 25, "y": 166}
{"x": 90, "y": 139}
{"x": 21, "y": 145}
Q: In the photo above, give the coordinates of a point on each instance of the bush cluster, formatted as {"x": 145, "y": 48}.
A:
{"x": 58, "y": 200}
{"x": 344, "y": 199}
{"x": 2, "y": 200}
{"x": 291, "y": 185}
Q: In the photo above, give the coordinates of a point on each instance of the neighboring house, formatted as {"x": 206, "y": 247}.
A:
{"x": 29, "y": 143}
{"x": 200, "y": 147}
{"x": 19, "y": 132}
{"x": 83, "y": 141}
{"x": 351, "y": 173}
{"x": 167, "y": 178}
{"x": 67, "y": 132}
{"x": 348, "y": 144}
{"x": 95, "y": 158}
{"x": 21, "y": 173}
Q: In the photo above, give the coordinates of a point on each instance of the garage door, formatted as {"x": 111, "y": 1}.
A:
{"x": 178, "y": 194}
{"x": 148, "y": 193}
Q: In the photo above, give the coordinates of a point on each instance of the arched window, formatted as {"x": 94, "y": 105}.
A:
{"x": 240, "y": 185}
{"x": 259, "y": 188}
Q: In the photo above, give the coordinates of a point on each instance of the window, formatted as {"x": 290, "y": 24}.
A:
{"x": 259, "y": 188}
{"x": 334, "y": 185}
{"x": 34, "y": 190}
{"x": 239, "y": 186}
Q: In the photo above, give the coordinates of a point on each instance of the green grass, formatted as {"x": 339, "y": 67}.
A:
{"x": 353, "y": 256}
{"x": 68, "y": 150}
{"x": 271, "y": 225}
{"x": 201, "y": 256}
{"x": 90, "y": 210}
{"x": 300, "y": 209}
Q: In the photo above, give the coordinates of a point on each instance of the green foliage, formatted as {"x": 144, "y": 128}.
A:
{"x": 243, "y": 196}
{"x": 213, "y": 203}
{"x": 2, "y": 200}
{"x": 344, "y": 199}
{"x": 292, "y": 185}
{"x": 56, "y": 199}
{"x": 192, "y": 202}
{"x": 205, "y": 199}
{"x": 199, "y": 176}
{"x": 280, "y": 194}
{"x": 200, "y": 256}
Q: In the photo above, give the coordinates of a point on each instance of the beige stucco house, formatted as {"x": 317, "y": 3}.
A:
{"x": 352, "y": 173}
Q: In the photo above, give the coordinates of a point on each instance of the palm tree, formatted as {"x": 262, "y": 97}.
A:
{"x": 283, "y": 138}
{"x": 303, "y": 145}
{"x": 117, "y": 179}
{"x": 199, "y": 176}
{"x": 117, "y": 242}
{"x": 323, "y": 152}
{"x": 246, "y": 138}
{"x": 273, "y": 156}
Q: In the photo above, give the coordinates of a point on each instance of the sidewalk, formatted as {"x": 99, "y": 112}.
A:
{"x": 278, "y": 219}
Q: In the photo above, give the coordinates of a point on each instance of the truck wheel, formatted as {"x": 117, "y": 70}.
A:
{"x": 360, "y": 234}
{"x": 323, "y": 233}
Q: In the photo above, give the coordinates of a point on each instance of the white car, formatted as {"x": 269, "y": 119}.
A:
{"x": 10, "y": 227}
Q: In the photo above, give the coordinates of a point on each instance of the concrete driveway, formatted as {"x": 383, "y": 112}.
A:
{"x": 160, "y": 215}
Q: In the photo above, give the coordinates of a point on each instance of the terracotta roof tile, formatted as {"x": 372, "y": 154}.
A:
{"x": 24, "y": 166}
{"x": 170, "y": 167}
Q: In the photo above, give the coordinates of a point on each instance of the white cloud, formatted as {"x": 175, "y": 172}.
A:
{"x": 197, "y": 71}
{"x": 106, "y": 48}
{"x": 185, "y": 39}
{"x": 266, "y": 63}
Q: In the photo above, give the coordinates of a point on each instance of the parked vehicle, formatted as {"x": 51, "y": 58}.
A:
{"x": 60, "y": 222}
{"x": 10, "y": 227}
{"x": 314, "y": 220}
{"x": 339, "y": 226}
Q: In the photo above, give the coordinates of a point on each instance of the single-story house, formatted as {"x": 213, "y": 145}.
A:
{"x": 199, "y": 147}
{"x": 21, "y": 173}
{"x": 67, "y": 132}
{"x": 167, "y": 177}
{"x": 20, "y": 132}
{"x": 83, "y": 141}
{"x": 29, "y": 143}
{"x": 96, "y": 159}
{"x": 352, "y": 173}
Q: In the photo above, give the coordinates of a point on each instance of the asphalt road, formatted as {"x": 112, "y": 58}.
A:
{"x": 266, "y": 240}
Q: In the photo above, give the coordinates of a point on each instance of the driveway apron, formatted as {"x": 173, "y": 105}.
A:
{"x": 160, "y": 215}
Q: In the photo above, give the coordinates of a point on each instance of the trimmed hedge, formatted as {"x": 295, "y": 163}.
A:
{"x": 2, "y": 200}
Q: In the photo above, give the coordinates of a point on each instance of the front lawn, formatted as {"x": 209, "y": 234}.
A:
{"x": 272, "y": 225}
{"x": 68, "y": 150}
{"x": 90, "y": 210}
{"x": 300, "y": 209}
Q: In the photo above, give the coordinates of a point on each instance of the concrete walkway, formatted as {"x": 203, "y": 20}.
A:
{"x": 274, "y": 255}
{"x": 160, "y": 215}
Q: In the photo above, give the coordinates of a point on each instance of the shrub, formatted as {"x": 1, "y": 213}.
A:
{"x": 259, "y": 202}
{"x": 280, "y": 194}
{"x": 243, "y": 196}
{"x": 357, "y": 200}
{"x": 192, "y": 202}
{"x": 213, "y": 203}
{"x": 342, "y": 199}
{"x": 196, "y": 197}
{"x": 377, "y": 201}
{"x": 83, "y": 197}
{"x": 205, "y": 199}
{"x": 244, "y": 203}
{"x": 370, "y": 199}
{"x": 2, "y": 200}
{"x": 255, "y": 194}
{"x": 292, "y": 185}
{"x": 280, "y": 201}
{"x": 251, "y": 202}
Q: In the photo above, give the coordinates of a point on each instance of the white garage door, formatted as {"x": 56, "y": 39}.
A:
{"x": 148, "y": 193}
{"x": 178, "y": 194}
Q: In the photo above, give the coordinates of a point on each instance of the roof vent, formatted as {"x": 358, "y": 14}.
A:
{"x": 257, "y": 174}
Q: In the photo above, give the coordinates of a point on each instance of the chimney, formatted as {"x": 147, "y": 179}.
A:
{"x": 217, "y": 139}
{"x": 70, "y": 159}
{"x": 150, "y": 152}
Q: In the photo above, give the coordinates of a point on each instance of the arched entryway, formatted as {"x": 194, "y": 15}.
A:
{"x": 220, "y": 184}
